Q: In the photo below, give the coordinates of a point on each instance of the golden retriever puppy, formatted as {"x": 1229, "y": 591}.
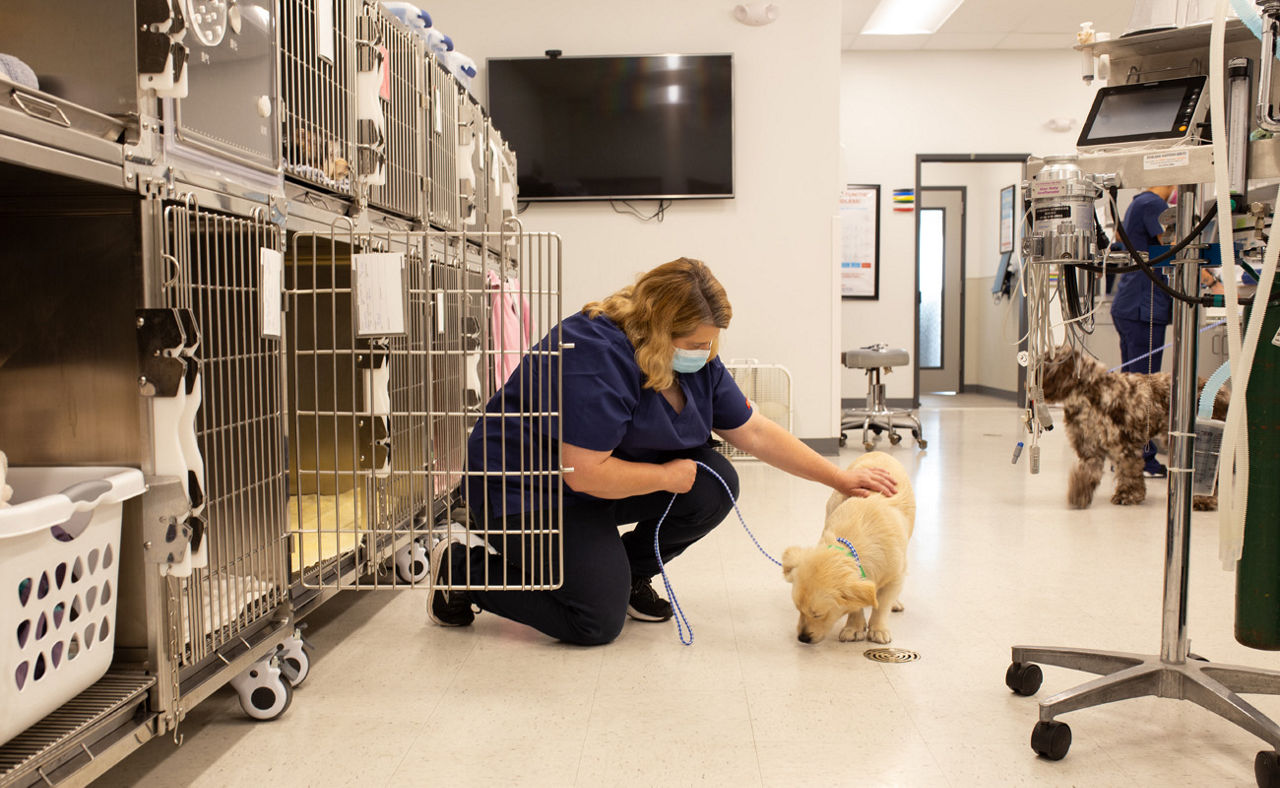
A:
{"x": 860, "y": 561}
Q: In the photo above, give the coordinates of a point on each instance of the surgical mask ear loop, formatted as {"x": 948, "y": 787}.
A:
{"x": 682, "y": 621}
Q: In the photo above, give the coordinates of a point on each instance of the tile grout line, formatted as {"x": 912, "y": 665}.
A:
{"x": 426, "y": 724}
{"x": 586, "y": 728}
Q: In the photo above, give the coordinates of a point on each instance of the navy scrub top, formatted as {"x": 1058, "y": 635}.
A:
{"x": 605, "y": 408}
{"x": 1136, "y": 297}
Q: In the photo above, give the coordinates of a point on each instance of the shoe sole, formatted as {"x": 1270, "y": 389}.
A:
{"x": 638, "y": 616}
{"x": 437, "y": 551}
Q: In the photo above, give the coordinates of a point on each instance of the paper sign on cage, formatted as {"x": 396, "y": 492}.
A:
{"x": 377, "y": 284}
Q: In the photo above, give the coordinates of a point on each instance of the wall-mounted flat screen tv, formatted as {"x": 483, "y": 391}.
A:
{"x": 600, "y": 128}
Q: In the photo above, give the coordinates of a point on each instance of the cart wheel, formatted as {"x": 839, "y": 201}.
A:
{"x": 1266, "y": 769}
{"x": 295, "y": 660}
{"x": 1051, "y": 739}
{"x": 868, "y": 445}
{"x": 264, "y": 691}
{"x": 895, "y": 438}
{"x": 922, "y": 443}
{"x": 411, "y": 563}
{"x": 1023, "y": 678}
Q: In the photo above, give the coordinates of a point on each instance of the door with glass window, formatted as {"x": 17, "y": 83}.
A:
{"x": 941, "y": 277}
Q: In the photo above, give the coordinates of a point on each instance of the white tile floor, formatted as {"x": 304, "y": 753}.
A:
{"x": 997, "y": 559}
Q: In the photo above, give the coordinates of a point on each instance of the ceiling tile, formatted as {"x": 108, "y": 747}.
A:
{"x": 889, "y": 42}
{"x": 986, "y": 16}
{"x": 941, "y": 40}
{"x": 1037, "y": 41}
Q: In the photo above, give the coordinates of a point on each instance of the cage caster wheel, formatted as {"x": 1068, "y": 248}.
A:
{"x": 264, "y": 691}
{"x": 894, "y": 439}
{"x": 295, "y": 659}
{"x": 868, "y": 445}
{"x": 412, "y": 563}
{"x": 1051, "y": 739}
{"x": 1266, "y": 769}
{"x": 1023, "y": 678}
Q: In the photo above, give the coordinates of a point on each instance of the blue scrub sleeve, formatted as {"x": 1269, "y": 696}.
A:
{"x": 599, "y": 396}
{"x": 1152, "y": 221}
{"x": 730, "y": 408}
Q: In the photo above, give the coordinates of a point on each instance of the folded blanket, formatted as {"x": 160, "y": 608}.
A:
{"x": 14, "y": 70}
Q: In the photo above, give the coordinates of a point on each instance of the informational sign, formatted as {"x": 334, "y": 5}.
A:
{"x": 377, "y": 282}
{"x": 271, "y": 272}
{"x": 1007, "y": 201}
{"x": 860, "y": 241}
{"x": 324, "y": 29}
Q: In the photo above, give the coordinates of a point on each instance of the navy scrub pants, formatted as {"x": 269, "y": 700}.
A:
{"x": 591, "y": 605}
{"x": 1136, "y": 340}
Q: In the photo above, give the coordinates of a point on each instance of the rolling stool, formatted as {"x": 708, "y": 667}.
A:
{"x": 877, "y": 416}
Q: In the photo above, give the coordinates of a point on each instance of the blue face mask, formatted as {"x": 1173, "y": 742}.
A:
{"x": 687, "y": 361}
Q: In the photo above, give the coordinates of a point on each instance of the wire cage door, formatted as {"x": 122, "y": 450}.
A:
{"x": 393, "y": 351}
{"x": 219, "y": 273}
{"x": 768, "y": 386}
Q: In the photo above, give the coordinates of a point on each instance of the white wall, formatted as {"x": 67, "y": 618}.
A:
{"x": 771, "y": 246}
{"x": 895, "y": 105}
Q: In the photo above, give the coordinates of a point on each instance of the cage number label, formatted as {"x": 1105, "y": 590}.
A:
{"x": 1166, "y": 159}
{"x": 271, "y": 265}
{"x": 377, "y": 282}
{"x": 324, "y": 29}
{"x": 438, "y": 114}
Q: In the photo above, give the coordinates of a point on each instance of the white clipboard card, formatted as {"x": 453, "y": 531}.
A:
{"x": 860, "y": 241}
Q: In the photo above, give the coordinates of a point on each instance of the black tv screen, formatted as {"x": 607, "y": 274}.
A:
{"x": 643, "y": 127}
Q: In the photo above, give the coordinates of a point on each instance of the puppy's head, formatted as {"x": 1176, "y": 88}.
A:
{"x": 825, "y": 585}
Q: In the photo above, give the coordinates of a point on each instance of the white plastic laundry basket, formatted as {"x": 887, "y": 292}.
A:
{"x": 59, "y": 560}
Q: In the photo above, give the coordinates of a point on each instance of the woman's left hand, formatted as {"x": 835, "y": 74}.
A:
{"x": 861, "y": 482}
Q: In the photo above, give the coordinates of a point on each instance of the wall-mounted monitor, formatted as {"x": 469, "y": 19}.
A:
{"x": 634, "y": 127}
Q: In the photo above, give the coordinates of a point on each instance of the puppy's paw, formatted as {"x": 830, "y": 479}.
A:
{"x": 880, "y": 636}
{"x": 897, "y": 607}
{"x": 849, "y": 634}
{"x": 1128, "y": 497}
{"x": 1204, "y": 503}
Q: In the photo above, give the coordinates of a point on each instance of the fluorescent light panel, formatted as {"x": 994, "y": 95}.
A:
{"x": 909, "y": 17}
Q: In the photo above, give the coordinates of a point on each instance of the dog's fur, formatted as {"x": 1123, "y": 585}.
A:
{"x": 825, "y": 582}
{"x": 1111, "y": 415}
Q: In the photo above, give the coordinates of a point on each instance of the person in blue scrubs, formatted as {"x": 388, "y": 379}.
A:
{"x": 641, "y": 390}
{"x": 1140, "y": 310}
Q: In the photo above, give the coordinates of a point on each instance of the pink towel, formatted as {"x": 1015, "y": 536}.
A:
{"x": 512, "y": 328}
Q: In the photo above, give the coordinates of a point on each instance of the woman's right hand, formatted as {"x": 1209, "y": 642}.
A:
{"x": 680, "y": 475}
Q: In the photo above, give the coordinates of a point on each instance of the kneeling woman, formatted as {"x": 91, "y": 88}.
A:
{"x": 640, "y": 392}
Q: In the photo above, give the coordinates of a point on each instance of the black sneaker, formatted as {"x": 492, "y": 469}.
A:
{"x": 645, "y": 604}
{"x": 444, "y": 607}
{"x": 1154, "y": 469}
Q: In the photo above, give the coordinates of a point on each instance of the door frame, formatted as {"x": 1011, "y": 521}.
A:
{"x": 964, "y": 243}
{"x": 952, "y": 158}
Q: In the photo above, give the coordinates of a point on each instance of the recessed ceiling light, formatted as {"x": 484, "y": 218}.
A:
{"x": 909, "y": 17}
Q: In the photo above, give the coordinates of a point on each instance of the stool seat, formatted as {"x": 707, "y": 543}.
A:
{"x": 875, "y": 358}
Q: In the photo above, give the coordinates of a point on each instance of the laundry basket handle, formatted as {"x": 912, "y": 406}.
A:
{"x": 87, "y": 491}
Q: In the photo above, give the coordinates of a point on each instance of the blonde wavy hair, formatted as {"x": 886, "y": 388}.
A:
{"x": 669, "y": 302}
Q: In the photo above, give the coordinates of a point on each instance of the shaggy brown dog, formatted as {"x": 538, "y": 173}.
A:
{"x": 1111, "y": 415}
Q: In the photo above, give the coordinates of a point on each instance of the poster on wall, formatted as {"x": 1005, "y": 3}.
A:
{"x": 1007, "y": 202}
{"x": 860, "y": 241}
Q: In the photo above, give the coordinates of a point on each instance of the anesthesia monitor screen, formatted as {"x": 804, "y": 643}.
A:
{"x": 1148, "y": 112}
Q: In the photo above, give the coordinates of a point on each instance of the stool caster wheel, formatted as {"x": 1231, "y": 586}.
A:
{"x": 1266, "y": 769}
{"x": 922, "y": 443}
{"x": 1024, "y": 678}
{"x": 1051, "y": 740}
{"x": 868, "y": 445}
{"x": 894, "y": 439}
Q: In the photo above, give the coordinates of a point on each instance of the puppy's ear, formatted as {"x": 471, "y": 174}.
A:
{"x": 858, "y": 592}
{"x": 790, "y": 558}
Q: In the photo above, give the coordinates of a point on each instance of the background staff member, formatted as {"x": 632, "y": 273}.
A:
{"x": 642, "y": 392}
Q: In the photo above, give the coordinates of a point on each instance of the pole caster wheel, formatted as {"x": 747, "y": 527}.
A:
{"x": 894, "y": 438}
{"x": 264, "y": 691}
{"x": 1051, "y": 739}
{"x": 295, "y": 659}
{"x": 1023, "y": 678}
{"x": 1266, "y": 769}
{"x": 412, "y": 563}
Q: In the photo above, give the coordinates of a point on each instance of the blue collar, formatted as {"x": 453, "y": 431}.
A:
{"x": 851, "y": 552}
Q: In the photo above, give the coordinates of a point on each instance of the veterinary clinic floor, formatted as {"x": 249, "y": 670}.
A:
{"x": 997, "y": 559}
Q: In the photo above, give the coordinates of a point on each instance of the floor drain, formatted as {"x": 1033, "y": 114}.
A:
{"x": 890, "y": 655}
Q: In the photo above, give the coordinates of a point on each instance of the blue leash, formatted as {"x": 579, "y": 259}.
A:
{"x": 1165, "y": 345}
{"x": 682, "y": 622}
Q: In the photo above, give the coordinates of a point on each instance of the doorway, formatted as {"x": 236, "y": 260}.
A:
{"x": 940, "y": 241}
